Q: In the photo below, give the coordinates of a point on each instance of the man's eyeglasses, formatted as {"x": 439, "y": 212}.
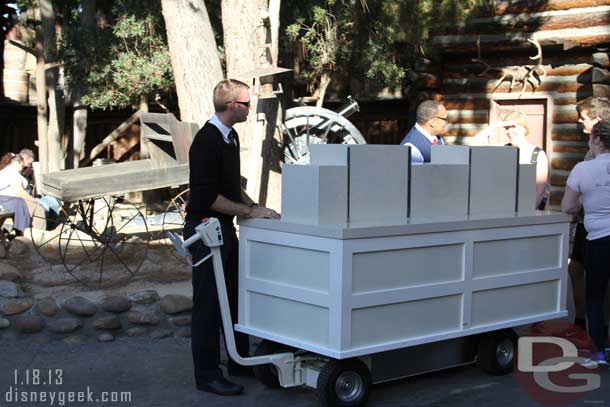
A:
{"x": 246, "y": 104}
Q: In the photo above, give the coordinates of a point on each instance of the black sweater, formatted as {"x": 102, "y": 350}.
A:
{"x": 214, "y": 170}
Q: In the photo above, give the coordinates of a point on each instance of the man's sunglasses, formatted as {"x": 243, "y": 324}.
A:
{"x": 247, "y": 104}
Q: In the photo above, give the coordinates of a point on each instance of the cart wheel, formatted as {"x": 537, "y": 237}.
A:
{"x": 173, "y": 221}
{"x": 45, "y": 232}
{"x": 105, "y": 242}
{"x": 496, "y": 352}
{"x": 267, "y": 374}
{"x": 306, "y": 125}
{"x": 344, "y": 383}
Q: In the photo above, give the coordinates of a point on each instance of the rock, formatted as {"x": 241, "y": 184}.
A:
{"x": 17, "y": 248}
{"x": 183, "y": 332}
{"x": 74, "y": 339}
{"x": 145, "y": 297}
{"x": 143, "y": 318}
{"x": 9, "y": 272}
{"x": 9, "y": 289}
{"x": 161, "y": 333}
{"x": 80, "y": 306}
{"x": 51, "y": 276}
{"x": 174, "y": 304}
{"x": 109, "y": 322}
{"x": 116, "y": 304}
{"x": 17, "y": 306}
{"x": 47, "y": 306}
{"x": 28, "y": 324}
{"x": 105, "y": 337}
{"x": 64, "y": 325}
{"x": 136, "y": 331}
{"x": 4, "y": 323}
{"x": 182, "y": 320}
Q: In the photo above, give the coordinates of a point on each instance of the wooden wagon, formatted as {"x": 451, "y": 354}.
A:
{"x": 100, "y": 237}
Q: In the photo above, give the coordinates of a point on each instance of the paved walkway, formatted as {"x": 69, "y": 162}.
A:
{"x": 159, "y": 373}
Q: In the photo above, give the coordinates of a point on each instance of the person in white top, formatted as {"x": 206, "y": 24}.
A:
{"x": 12, "y": 183}
{"x": 591, "y": 181}
{"x": 516, "y": 131}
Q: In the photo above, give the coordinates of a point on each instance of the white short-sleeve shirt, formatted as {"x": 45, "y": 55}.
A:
{"x": 592, "y": 180}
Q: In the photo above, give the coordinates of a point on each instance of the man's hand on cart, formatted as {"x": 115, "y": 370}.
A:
{"x": 262, "y": 212}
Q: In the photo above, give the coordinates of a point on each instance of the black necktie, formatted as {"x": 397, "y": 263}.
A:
{"x": 233, "y": 137}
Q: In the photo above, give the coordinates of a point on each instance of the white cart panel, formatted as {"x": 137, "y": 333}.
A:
{"x": 393, "y": 287}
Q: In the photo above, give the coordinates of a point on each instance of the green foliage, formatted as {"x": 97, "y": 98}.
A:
{"x": 381, "y": 40}
{"x": 126, "y": 56}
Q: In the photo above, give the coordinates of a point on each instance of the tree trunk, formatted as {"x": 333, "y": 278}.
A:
{"x": 243, "y": 36}
{"x": 194, "y": 57}
{"x": 241, "y": 26}
{"x": 321, "y": 92}
{"x": 80, "y": 114}
{"x": 55, "y": 103}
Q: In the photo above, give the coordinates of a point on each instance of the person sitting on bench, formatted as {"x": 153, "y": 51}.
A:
{"x": 13, "y": 185}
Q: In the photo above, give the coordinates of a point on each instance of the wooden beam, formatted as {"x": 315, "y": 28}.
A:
{"x": 601, "y": 90}
{"x": 600, "y": 75}
{"x": 113, "y": 136}
{"x": 577, "y": 36}
{"x": 601, "y": 59}
{"x": 531, "y": 6}
{"x": 532, "y": 22}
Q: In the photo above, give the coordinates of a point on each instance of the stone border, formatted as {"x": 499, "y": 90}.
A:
{"x": 72, "y": 320}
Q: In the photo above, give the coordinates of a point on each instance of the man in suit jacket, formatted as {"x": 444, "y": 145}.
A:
{"x": 430, "y": 121}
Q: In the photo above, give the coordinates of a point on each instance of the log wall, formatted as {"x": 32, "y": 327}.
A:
{"x": 574, "y": 36}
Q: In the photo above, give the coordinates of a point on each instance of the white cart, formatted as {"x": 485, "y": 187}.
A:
{"x": 351, "y": 305}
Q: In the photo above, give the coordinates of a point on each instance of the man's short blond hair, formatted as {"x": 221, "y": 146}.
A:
{"x": 227, "y": 91}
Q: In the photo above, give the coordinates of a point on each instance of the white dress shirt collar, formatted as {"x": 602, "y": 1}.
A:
{"x": 221, "y": 126}
{"x": 425, "y": 132}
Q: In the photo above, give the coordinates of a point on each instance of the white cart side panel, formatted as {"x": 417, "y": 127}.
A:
{"x": 378, "y": 325}
{"x": 527, "y": 188}
{"x": 390, "y": 269}
{"x": 297, "y": 320}
{"x": 508, "y": 256}
{"x": 290, "y": 279}
{"x": 501, "y": 304}
{"x": 306, "y": 268}
{"x": 431, "y": 184}
{"x": 378, "y": 183}
{"x": 493, "y": 180}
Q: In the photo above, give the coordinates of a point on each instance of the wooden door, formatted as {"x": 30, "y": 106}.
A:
{"x": 536, "y": 111}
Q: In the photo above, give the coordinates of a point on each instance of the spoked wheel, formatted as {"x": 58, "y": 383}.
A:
{"x": 45, "y": 231}
{"x": 173, "y": 220}
{"x": 104, "y": 242}
{"x": 307, "y": 125}
{"x": 344, "y": 383}
{"x": 496, "y": 352}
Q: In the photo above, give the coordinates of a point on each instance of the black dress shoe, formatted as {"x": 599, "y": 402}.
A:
{"x": 236, "y": 370}
{"x": 221, "y": 386}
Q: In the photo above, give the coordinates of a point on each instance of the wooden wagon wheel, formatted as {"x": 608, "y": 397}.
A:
{"x": 45, "y": 231}
{"x": 307, "y": 125}
{"x": 104, "y": 242}
{"x": 173, "y": 221}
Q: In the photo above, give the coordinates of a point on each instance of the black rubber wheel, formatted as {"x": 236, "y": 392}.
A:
{"x": 267, "y": 374}
{"x": 496, "y": 352}
{"x": 344, "y": 383}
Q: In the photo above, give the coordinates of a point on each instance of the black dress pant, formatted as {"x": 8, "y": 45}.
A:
{"x": 206, "y": 318}
{"x": 597, "y": 266}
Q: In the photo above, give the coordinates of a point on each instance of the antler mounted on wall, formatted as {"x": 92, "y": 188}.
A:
{"x": 518, "y": 74}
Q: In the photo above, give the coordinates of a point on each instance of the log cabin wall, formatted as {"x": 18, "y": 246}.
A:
{"x": 574, "y": 37}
